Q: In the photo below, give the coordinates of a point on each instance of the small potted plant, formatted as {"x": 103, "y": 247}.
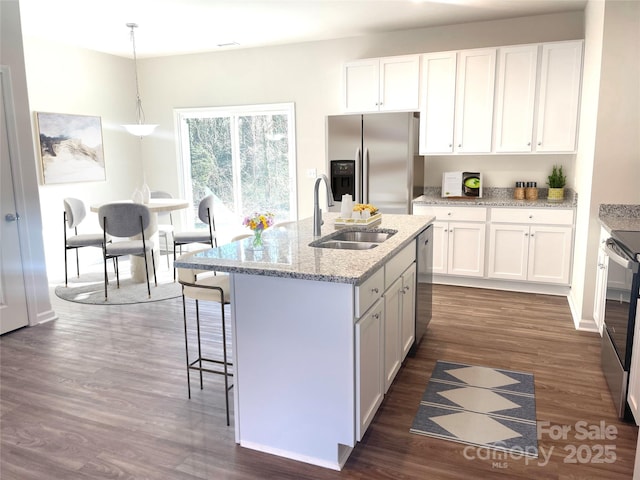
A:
{"x": 556, "y": 181}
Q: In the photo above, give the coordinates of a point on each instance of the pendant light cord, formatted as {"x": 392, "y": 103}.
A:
{"x": 139, "y": 110}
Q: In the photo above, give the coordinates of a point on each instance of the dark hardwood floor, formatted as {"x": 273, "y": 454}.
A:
{"x": 101, "y": 394}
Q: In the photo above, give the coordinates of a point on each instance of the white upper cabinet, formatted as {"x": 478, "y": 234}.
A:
{"x": 361, "y": 81}
{"x": 456, "y": 111}
{"x": 474, "y": 100}
{"x": 438, "y": 102}
{"x": 560, "y": 75}
{"x": 515, "y": 98}
{"x": 382, "y": 84}
{"x": 512, "y": 99}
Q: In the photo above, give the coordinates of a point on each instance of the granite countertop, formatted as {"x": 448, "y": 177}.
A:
{"x": 286, "y": 251}
{"x": 619, "y": 217}
{"x": 497, "y": 197}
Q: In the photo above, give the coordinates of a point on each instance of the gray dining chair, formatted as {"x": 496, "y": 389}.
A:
{"x": 74, "y": 213}
{"x": 204, "y": 235}
{"x": 126, "y": 220}
{"x": 165, "y": 223}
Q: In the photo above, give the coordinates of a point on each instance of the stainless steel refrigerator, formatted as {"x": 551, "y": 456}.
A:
{"x": 374, "y": 157}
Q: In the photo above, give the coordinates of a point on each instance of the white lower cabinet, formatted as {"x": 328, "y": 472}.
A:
{"x": 392, "y": 309}
{"x": 408, "y": 316}
{"x": 384, "y": 331}
{"x": 601, "y": 288}
{"x": 369, "y": 367}
{"x": 458, "y": 239}
{"x": 399, "y": 323}
{"x": 532, "y": 253}
{"x": 531, "y": 245}
{"x": 633, "y": 395}
{"x": 458, "y": 248}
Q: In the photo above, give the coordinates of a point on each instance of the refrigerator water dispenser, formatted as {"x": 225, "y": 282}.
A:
{"x": 343, "y": 178}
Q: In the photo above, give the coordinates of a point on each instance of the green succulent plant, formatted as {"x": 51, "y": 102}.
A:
{"x": 557, "y": 179}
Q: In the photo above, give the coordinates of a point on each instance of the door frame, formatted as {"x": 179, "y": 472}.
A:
{"x": 39, "y": 308}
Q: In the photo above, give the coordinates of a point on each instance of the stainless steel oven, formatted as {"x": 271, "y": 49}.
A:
{"x": 623, "y": 290}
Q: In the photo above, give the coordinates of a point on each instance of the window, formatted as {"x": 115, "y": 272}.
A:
{"x": 245, "y": 156}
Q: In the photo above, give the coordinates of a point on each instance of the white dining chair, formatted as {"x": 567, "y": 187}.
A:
{"x": 165, "y": 223}
{"x": 74, "y": 213}
{"x": 204, "y": 235}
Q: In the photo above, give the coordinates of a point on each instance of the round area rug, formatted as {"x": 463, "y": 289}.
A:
{"x": 89, "y": 289}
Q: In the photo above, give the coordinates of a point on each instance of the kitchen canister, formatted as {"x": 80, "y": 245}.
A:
{"x": 518, "y": 192}
{"x": 531, "y": 191}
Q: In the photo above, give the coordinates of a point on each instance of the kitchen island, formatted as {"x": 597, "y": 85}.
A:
{"x": 318, "y": 334}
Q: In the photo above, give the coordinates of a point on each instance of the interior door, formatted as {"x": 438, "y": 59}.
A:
{"x": 13, "y": 298}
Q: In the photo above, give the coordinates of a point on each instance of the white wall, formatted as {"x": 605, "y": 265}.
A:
{"x": 594, "y": 20}
{"x": 62, "y": 79}
{"x": 68, "y": 80}
{"x": 310, "y": 74}
{"x": 608, "y": 163}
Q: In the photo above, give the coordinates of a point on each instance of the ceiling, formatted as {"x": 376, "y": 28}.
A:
{"x": 172, "y": 27}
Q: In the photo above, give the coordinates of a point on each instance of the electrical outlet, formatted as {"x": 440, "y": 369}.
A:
{"x": 312, "y": 173}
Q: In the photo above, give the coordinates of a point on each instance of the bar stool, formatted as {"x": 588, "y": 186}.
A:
{"x": 202, "y": 285}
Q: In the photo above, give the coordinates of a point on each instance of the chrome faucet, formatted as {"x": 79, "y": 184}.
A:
{"x": 317, "y": 213}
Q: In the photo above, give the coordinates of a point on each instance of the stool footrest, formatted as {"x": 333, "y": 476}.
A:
{"x": 193, "y": 366}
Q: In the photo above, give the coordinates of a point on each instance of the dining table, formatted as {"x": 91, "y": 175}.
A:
{"x": 155, "y": 205}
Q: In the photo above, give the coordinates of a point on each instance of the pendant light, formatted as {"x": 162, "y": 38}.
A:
{"x": 139, "y": 129}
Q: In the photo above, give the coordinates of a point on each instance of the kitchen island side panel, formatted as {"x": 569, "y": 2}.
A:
{"x": 294, "y": 347}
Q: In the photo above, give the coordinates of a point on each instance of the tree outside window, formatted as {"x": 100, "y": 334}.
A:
{"x": 245, "y": 157}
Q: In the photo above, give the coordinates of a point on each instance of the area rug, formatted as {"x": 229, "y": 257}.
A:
{"x": 480, "y": 406}
{"x": 89, "y": 289}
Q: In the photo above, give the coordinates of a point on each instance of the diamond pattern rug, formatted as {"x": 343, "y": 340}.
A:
{"x": 481, "y": 406}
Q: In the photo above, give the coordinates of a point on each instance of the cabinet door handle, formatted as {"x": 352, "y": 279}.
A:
{"x": 530, "y": 216}
{"x": 459, "y": 145}
{"x": 528, "y": 144}
{"x": 526, "y": 234}
{"x": 375, "y": 290}
{"x": 449, "y": 213}
{"x": 532, "y": 235}
{"x": 539, "y": 143}
{"x": 405, "y": 289}
{"x": 376, "y": 315}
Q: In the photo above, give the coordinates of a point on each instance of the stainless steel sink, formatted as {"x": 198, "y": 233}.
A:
{"x": 360, "y": 236}
{"x": 346, "y": 245}
{"x": 354, "y": 239}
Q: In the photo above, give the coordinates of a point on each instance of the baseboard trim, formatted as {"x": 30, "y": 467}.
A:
{"x": 511, "y": 286}
{"x": 321, "y": 462}
{"x": 579, "y": 323}
{"x": 46, "y": 316}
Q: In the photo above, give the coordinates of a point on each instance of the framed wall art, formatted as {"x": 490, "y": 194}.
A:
{"x": 70, "y": 148}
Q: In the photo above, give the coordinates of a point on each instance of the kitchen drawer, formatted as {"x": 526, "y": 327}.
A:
{"x": 398, "y": 264}
{"x": 460, "y": 214}
{"x": 369, "y": 292}
{"x": 533, "y": 216}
